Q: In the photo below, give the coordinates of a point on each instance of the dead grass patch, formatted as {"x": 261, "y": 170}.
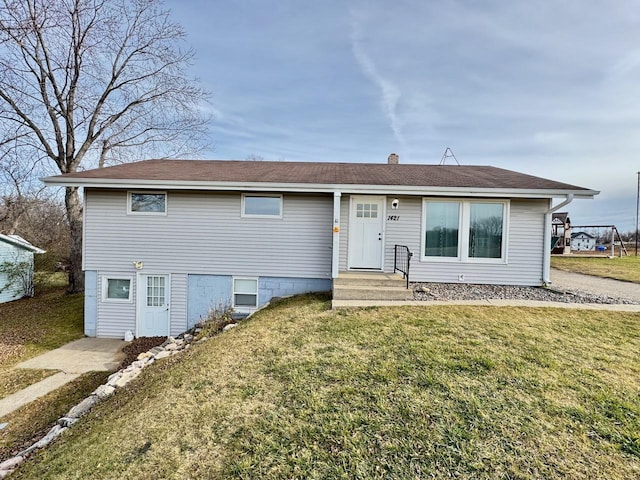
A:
{"x": 31, "y": 422}
{"x": 300, "y": 391}
{"x": 14, "y": 380}
{"x": 31, "y": 326}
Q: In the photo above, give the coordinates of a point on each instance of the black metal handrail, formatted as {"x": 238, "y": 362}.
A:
{"x": 402, "y": 260}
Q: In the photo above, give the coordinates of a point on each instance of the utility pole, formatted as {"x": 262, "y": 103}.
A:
{"x": 637, "y": 211}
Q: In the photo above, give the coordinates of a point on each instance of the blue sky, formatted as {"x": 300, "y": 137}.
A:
{"x": 547, "y": 88}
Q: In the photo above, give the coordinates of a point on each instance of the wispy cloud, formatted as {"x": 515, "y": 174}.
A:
{"x": 390, "y": 93}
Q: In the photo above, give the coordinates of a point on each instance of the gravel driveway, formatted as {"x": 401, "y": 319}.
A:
{"x": 566, "y": 288}
{"x": 588, "y": 284}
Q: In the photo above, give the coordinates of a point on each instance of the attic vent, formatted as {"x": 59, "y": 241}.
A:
{"x": 393, "y": 159}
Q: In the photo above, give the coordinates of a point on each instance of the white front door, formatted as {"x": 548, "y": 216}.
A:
{"x": 366, "y": 221}
{"x": 153, "y": 305}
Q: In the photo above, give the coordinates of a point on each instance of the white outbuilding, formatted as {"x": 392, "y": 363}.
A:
{"x": 16, "y": 267}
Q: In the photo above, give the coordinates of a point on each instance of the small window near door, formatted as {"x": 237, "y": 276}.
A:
{"x": 255, "y": 205}
{"x": 245, "y": 293}
{"x": 116, "y": 289}
{"x": 147, "y": 203}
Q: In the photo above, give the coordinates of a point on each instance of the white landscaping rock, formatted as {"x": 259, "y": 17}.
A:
{"x": 103, "y": 391}
{"x": 10, "y": 465}
{"x": 229, "y": 327}
{"x": 163, "y": 354}
{"x": 126, "y": 378}
{"x": 83, "y": 407}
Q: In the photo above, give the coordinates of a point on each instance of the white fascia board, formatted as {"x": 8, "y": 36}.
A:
{"x": 25, "y": 246}
{"x": 316, "y": 188}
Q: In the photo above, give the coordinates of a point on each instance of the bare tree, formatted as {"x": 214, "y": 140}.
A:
{"x": 86, "y": 83}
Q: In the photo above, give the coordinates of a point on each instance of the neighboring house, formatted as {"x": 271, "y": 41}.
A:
{"x": 582, "y": 241}
{"x": 167, "y": 240}
{"x": 16, "y": 267}
{"x": 560, "y": 233}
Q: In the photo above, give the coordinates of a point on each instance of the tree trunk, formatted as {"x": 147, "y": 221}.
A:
{"x": 74, "y": 217}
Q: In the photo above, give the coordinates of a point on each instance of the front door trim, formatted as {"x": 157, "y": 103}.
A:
{"x": 352, "y": 243}
{"x": 141, "y": 288}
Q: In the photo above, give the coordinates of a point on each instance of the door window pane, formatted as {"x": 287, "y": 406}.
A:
{"x": 442, "y": 225}
{"x": 155, "y": 291}
{"x": 485, "y": 230}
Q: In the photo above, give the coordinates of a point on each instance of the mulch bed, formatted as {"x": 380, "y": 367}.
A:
{"x": 138, "y": 346}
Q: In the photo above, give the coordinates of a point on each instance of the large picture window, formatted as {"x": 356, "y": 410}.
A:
{"x": 464, "y": 230}
{"x": 485, "y": 230}
{"x": 442, "y": 221}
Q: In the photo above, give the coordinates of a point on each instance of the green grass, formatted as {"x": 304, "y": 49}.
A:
{"x": 300, "y": 391}
{"x": 619, "y": 268}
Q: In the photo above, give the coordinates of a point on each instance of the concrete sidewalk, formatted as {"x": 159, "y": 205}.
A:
{"x": 73, "y": 359}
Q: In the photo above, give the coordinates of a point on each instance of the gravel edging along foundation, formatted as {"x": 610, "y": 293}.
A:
{"x": 171, "y": 346}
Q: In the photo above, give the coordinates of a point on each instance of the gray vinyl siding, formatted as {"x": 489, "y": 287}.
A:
{"x": 178, "y": 305}
{"x": 115, "y": 318}
{"x": 204, "y": 233}
{"x": 524, "y": 247}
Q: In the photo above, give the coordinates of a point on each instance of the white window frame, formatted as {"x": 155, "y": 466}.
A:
{"x": 244, "y": 308}
{"x": 253, "y": 215}
{"x": 105, "y": 288}
{"x": 463, "y": 231}
{"x": 147, "y": 192}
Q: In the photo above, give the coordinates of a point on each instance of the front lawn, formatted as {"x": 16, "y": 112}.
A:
{"x": 29, "y": 327}
{"x": 619, "y": 268}
{"x": 300, "y": 391}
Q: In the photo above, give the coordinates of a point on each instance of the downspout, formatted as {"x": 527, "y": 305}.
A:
{"x": 546, "y": 255}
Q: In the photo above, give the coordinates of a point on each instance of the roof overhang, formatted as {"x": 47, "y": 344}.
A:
{"x": 315, "y": 188}
{"x": 24, "y": 245}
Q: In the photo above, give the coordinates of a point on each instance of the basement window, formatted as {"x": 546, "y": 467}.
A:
{"x": 245, "y": 293}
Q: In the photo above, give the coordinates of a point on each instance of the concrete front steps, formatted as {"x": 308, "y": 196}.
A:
{"x": 370, "y": 286}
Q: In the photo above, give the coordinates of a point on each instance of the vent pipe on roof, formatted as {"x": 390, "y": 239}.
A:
{"x": 393, "y": 159}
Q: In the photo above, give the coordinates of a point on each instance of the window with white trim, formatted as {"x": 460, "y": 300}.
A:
{"x": 261, "y": 205}
{"x": 147, "y": 203}
{"x": 245, "y": 293}
{"x": 116, "y": 289}
{"x": 464, "y": 230}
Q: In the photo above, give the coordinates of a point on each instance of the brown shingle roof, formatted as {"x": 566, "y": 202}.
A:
{"x": 322, "y": 174}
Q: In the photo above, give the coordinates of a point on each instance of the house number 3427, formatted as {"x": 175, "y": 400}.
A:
{"x": 393, "y": 218}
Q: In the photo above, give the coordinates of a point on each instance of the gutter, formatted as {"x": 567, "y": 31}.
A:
{"x": 546, "y": 255}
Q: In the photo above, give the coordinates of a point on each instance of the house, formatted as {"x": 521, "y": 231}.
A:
{"x": 16, "y": 267}
{"x": 560, "y": 233}
{"x": 165, "y": 241}
{"x": 583, "y": 241}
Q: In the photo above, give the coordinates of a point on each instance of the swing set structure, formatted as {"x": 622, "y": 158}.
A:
{"x": 611, "y": 236}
